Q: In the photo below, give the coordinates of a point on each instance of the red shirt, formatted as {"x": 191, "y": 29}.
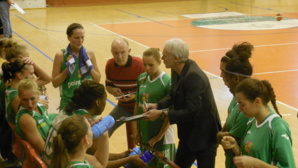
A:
{"x": 125, "y": 77}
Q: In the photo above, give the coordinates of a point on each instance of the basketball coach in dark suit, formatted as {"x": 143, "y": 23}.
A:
{"x": 194, "y": 112}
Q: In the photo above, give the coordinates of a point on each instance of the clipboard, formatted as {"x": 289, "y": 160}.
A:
{"x": 119, "y": 97}
{"x": 18, "y": 8}
{"x": 132, "y": 118}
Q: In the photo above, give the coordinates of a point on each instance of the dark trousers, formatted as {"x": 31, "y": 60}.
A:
{"x": 1, "y": 27}
{"x": 6, "y": 140}
{"x": 205, "y": 158}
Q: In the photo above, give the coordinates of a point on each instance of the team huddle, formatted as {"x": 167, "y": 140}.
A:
{"x": 254, "y": 134}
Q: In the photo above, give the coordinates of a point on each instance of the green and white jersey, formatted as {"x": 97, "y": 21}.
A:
{"x": 70, "y": 83}
{"x": 43, "y": 122}
{"x": 269, "y": 141}
{"x": 10, "y": 95}
{"x": 82, "y": 112}
{"x": 48, "y": 148}
{"x": 236, "y": 124}
{"x": 78, "y": 164}
{"x": 151, "y": 91}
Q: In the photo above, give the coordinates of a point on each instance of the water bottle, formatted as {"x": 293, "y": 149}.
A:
{"x": 135, "y": 151}
{"x": 43, "y": 97}
{"x": 147, "y": 156}
{"x": 102, "y": 126}
{"x": 43, "y": 94}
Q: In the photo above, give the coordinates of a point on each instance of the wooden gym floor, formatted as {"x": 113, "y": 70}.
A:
{"x": 151, "y": 24}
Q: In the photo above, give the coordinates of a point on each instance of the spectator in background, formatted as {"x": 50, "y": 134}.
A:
{"x": 4, "y": 16}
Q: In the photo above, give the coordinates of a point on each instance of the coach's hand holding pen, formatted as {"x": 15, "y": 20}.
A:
{"x": 151, "y": 112}
{"x": 148, "y": 106}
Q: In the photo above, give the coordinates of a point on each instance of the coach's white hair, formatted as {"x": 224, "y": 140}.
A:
{"x": 177, "y": 48}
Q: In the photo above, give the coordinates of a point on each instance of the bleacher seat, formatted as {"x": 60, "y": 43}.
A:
{"x": 26, "y": 153}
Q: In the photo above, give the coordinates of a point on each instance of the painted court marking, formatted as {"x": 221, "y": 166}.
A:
{"x": 240, "y": 21}
{"x": 259, "y": 25}
{"x": 213, "y": 15}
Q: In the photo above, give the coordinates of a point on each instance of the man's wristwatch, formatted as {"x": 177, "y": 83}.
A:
{"x": 163, "y": 114}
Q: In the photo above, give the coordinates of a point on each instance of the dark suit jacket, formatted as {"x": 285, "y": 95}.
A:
{"x": 195, "y": 111}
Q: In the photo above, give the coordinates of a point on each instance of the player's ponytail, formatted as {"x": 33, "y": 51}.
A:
{"x": 60, "y": 157}
{"x": 270, "y": 95}
{"x": 11, "y": 68}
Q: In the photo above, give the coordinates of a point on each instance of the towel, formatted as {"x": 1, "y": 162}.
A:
{"x": 85, "y": 64}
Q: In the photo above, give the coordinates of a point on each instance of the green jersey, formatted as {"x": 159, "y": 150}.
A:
{"x": 236, "y": 124}
{"x": 78, "y": 164}
{"x": 151, "y": 91}
{"x": 10, "y": 95}
{"x": 82, "y": 112}
{"x": 43, "y": 121}
{"x": 48, "y": 149}
{"x": 269, "y": 141}
{"x": 70, "y": 83}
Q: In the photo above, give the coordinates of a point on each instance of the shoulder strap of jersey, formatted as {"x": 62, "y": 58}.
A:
{"x": 270, "y": 118}
{"x": 64, "y": 51}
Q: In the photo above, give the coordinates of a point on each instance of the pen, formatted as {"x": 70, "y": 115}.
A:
{"x": 118, "y": 97}
{"x": 145, "y": 104}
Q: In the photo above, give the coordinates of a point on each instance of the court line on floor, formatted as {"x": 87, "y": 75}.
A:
{"x": 118, "y": 34}
{"x": 293, "y": 108}
{"x": 265, "y": 45}
{"x": 268, "y": 9}
{"x": 263, "y": 73}
{"x": 141, "y": 17}
{"x": 36, "y": 48}
{"x": 214, "y": 76}
{"x": 224, "y": 9}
